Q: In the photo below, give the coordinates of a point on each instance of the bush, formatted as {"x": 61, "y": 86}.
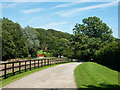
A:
{"x": 109, "y": 55}
{"x": 40, "y": 52}
{"x": 48, "y": 55}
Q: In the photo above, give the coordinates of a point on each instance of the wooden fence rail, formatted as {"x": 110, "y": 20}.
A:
{"x": 11, "y": 68}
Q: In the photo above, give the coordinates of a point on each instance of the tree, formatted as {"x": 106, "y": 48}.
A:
{"x": 90, "y": 36}
{"x": 93, "y": 27}
{"x": 108, "y": 55}
{"x": 55, "y": 41}
{"x": 13, "y": 42}
{"x": 31, "y": 40}
{"x": 62, "y": 46}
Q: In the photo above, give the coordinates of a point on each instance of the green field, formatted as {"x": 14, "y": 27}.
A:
{"x": 93, "y": 75}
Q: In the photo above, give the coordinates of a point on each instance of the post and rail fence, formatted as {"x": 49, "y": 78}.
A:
{"x": 10, "y": 68}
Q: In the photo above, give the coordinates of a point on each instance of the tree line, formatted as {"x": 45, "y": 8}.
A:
{"x": 18, "y": 42}
{"x": 87, "y": 38}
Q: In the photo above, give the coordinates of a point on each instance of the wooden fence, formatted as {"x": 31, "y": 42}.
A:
{"x": 11, "y": 68}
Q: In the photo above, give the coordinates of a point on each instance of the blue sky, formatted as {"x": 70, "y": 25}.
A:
{"x": 61, "y": 16}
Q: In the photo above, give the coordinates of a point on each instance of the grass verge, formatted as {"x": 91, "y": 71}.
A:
{"x": 93, "y": 75}
{"x": 22, "y": 74}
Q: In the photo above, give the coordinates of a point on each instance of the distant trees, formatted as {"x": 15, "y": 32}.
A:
{"x": 60, "y": 47}
{"x": 90, "y": 36}
{"x": 20, "y": 42}
{"x": 13, "y": 42}
{"x": 55, "y": 41}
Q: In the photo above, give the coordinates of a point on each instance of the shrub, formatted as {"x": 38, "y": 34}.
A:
{"x": 40, "y": 52}
{"x": 48, "y": 55}
{"x": 109, "y": 55}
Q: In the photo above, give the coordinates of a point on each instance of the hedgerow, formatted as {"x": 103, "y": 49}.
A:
{"x": 109, "y": 55}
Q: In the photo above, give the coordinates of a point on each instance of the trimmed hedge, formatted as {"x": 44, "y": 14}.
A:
{"x": 109, "y": 55}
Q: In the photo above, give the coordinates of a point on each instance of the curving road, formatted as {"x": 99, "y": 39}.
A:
{"x": 60, "y": 76}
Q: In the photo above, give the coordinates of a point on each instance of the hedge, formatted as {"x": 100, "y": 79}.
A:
{"x": 109, "y": 55}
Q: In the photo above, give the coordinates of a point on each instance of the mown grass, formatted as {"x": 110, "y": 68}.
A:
{"x": 93, "y": 75}
{"x": 23, "y": 74}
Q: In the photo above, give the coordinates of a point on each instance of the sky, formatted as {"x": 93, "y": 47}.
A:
{"x": 61, "y": 16}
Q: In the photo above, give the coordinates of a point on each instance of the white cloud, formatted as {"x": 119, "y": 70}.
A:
{"x": 67, "y": 13}
{"x": 25, "y": 0}
{"x": 66, "y": 5}
{"x": 32, "y": 10}
{"x": 11, "y": 5}
{"x": 54, "y": 25}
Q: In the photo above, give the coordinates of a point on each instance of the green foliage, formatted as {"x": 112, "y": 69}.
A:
{"x": 18, "y": 42}
{"x": 93, "y": 27}
{"x": 109, "y": 55}
{"x": 56, "y": 42}
{"x": 31, "y": 40}
{"x": 93, "y": 75}
{"x": 40, "y": 52}
{"x": 13, "y": 42}
{"x": 90, "y": 36}
{"x": 48, "y": 54}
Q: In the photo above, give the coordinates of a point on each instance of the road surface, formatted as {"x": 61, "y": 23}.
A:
{"x": 60, "y": 76}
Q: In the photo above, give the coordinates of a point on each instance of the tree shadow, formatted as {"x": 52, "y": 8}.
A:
{"x": 102, "y": 86}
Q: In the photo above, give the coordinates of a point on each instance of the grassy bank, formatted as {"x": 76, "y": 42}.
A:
{"x": 22, "y": 74}
{"x": 93, "y": 75}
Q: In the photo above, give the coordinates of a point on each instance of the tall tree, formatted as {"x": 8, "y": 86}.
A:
{"x": 93, "y": 27}
{"x": 90, "y": 36}
{"x": 13, "y": 42}
{"x": 31, "y": 40}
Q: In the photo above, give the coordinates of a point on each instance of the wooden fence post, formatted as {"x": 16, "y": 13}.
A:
{"x": 13, "y": 68}
{"x": 38, "y": 63}
{"x": 30, "y": 64}
{"x": 47, "y": 62}
{"x": 34, "y": 64}
{"x": 41, "y": 62}
{"x": 19, "y": 66}
{"x": 5, "y": 71}
{"x": 25, "y": 66}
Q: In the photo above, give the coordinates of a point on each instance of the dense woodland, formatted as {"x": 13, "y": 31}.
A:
{"x": 87, "y": 40}
{"x": 18, "y": 42}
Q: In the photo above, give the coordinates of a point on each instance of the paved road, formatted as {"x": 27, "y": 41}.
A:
{"x": 60, "y": 76}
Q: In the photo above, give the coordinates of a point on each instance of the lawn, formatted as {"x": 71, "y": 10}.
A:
{"x": 93, "y": 75}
